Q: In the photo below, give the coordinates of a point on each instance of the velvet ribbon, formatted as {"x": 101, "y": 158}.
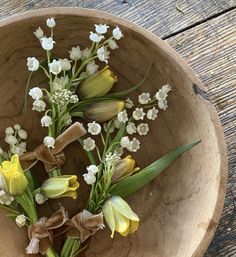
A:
{"x": 53, "y": 157}
{"x": 84, "y": 224}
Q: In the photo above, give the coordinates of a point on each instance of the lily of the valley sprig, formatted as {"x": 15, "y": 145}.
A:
{"x": 81, "y": 101}
{"x": 70, "y": 79}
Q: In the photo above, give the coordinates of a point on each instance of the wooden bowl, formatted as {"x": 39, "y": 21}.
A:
{"x": 180, "y": 210}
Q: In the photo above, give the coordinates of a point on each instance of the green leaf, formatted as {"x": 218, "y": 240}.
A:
{"x": 30, "y": 179}
{"x": 2, "y": 159}
{"x": 131, "y": 184}
{"x": 117, "y": 138}
{"x": 132, "y": 89}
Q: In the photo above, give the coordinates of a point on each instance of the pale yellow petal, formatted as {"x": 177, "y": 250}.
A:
{"x": 121, "y": 222}
{"x": 133, "y": 226}
{"x": 109, "y": 216}
{"x": 122, "y": 206}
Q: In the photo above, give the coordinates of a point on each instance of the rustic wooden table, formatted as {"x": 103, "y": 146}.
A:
{"x": 204, "y": 33}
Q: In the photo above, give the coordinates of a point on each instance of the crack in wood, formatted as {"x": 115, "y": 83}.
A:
{"x": 198, "y": 91}
{"x": 199, "y": 23}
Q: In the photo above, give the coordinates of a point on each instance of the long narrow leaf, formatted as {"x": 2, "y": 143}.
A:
{"x": 117, "y": 138}
{"x": 132, "y": 89}
{"x": 133, "y": 183}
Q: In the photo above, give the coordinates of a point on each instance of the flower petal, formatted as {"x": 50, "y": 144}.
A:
{"x": 121, "y": 206}
{"x": 109, "y": 217}
{"x": 121, "y": 222}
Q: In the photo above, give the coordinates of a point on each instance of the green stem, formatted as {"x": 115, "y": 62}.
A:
{"x": 26, "y": 92}
{"x": 28, "y": 206}
{"x": 51, "y": 253}
{"x": 55, "y": 173}
{"x": 89, "y": 153}
{"x": 71, "y": 247}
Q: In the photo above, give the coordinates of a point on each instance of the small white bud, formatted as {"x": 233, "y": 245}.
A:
{"x": 40, "y": 199}
{"x": 9, "y": 131}
{"x": 22, "y": 134}
{"x": 51, "y": 22}
{"x": 21, "y": 220}
{"x": 49, "y": 142}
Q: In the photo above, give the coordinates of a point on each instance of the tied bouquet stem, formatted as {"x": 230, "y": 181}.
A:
{"x": 79, "y": 104}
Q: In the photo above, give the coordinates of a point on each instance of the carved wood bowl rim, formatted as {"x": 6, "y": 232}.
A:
{"x": 198, "y": 87}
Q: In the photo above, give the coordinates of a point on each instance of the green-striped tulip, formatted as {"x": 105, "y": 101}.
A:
{"x": 119, "y": 216}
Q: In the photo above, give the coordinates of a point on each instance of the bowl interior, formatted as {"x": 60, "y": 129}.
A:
{"x": 177, "y": 210}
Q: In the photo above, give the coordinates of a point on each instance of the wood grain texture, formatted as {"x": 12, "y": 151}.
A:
{"x": 211, "y": 51}
{"x": 159, "y": 16}
{"x": 178, "y": 196}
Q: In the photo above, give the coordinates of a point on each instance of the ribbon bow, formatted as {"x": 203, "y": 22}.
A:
{"x": 53, "y": 157}
{"x": 41, "y": 232}
{"x": 84, "y": 224}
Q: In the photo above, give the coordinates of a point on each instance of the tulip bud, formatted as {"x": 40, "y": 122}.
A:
{"x": 119, "y": 216}
{"x": 104, "y": 110}
{"x": 124, "y": 168}
{"x": 61, "y": 186}
{"x": 97, "y": 85}
{"x": 14, "y": 177}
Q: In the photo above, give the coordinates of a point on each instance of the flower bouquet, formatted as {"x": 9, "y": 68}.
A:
{"x": 79, "y": 103}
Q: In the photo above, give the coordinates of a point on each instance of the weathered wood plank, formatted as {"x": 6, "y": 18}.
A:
{"x": 211, "y": 51}
{"x": 159, "y": 16}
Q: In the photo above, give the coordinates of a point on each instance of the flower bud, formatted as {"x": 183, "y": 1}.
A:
{"x": 61, "y": 186}
{"x": 104, "y": 110}
{"x": 119, "y": 216}
{"x": 124, "y": 168}
{"x": 97, "y": 85}
{"x": 14, "y": 177}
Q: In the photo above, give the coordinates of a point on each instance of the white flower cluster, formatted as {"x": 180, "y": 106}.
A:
{"x": 15, "y": 137}
{"x": 64, "y": 96}
{"x": 162, "y": 95}
{"x": 46, "y": 42}
{"x": 38, "y": 105}
{"x": 131, "y": 145}
{"x": 97, "y": 36}
{"x": 139, "y": 114}
{"x": 90, "y": 176}
{"x": 111, "y": 159}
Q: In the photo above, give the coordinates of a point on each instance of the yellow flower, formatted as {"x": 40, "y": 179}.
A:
{"x": 14, "y": 177}
{"x": 124, "y": 168}
{"x": 61, "y": 186}
{"x": 120, "y": 217}
{"x": 104, "y": 110}
{"x": 97, "y": 85}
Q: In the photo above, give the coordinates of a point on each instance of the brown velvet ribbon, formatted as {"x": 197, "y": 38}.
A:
{"x": 41, "y": 232}
{"x": 53, "y": 157}
{"x": 84, "y": 224}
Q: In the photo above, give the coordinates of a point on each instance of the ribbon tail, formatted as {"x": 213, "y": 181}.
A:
{"x": 33, "y": 246}
{"x": 28, "y": 160}
{"x": 71, "y": 134}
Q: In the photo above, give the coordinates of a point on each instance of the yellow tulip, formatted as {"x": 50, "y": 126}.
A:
{"x": 97, "y": 85}
{"x": 124, "y": 168}
{"x": 61, "y": 186}
{"x": 14, "y": 177}
{"x": 104, "y": 110}
{"x": 119, "y": 216}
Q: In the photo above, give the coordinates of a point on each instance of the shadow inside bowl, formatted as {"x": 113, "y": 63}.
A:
{"x": 180, "y": 209}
